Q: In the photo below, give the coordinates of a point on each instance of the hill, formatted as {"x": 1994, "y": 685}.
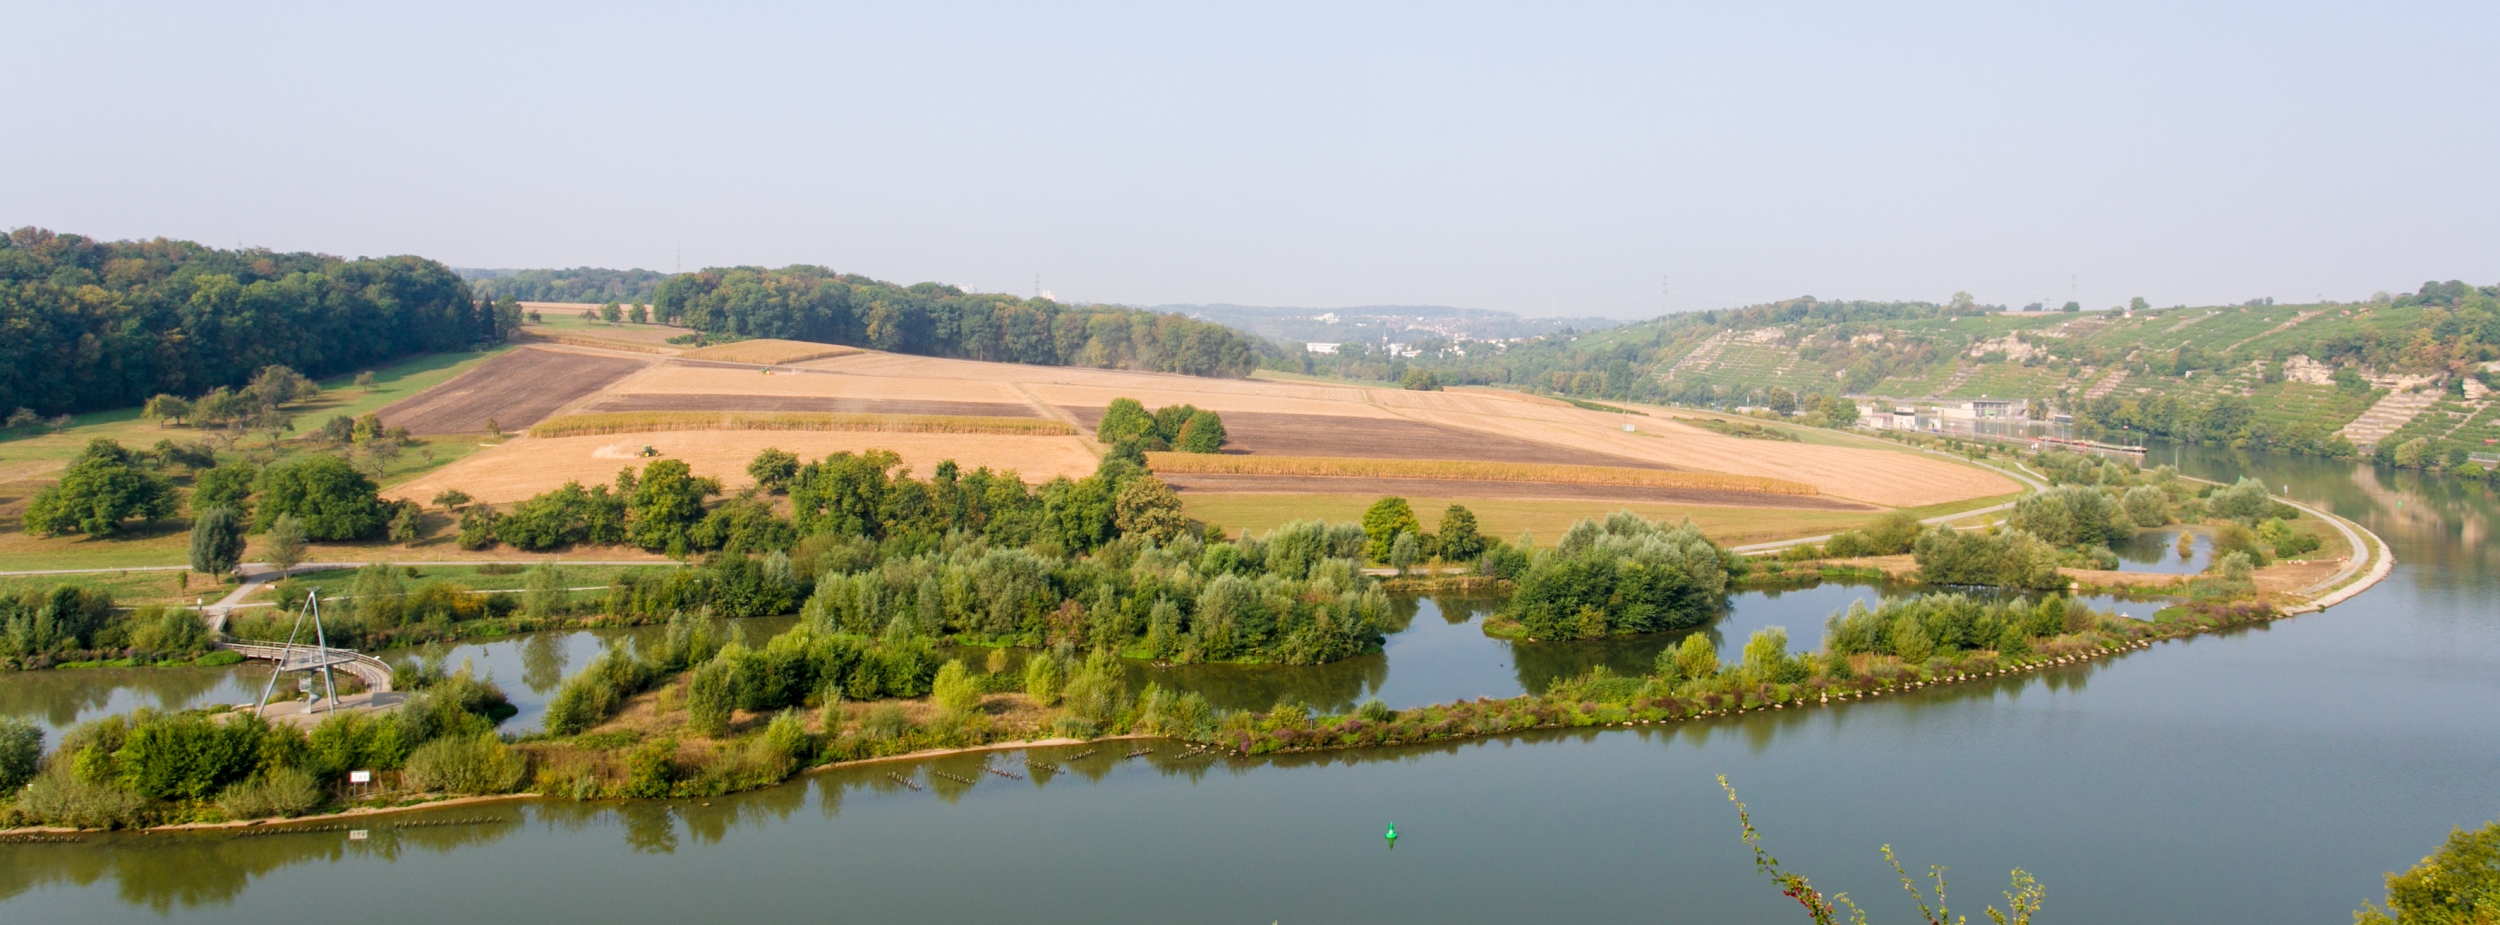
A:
{"x": 2321, "y": 378}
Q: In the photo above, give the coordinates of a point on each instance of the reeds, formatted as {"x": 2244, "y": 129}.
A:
{"x": 1467, "y": 470}
{"x": 632, "y": 422}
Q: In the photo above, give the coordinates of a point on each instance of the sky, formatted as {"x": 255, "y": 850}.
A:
{"x": 1552, "y": 158}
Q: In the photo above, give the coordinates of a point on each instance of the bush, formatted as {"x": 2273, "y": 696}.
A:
{"x": 1382, "y": 523}
{"x": 2071, "y": 515}
{"x": 710, "y": 696}
{"x": 21, "y": 752}
{"x": 1622, "y": 575}
{"x": 281, "y": 792}
{"x": 60, "y": 796}
{"x": 955, "y": 689}
{"x": 2460, "y": 884}
{"x": 2146, "y": 506}
{"x": 2000, "y": 558}
{"x": 216, "y": 542}
{"x": 1041, "y": 679}
{"x": 473, "y": 764}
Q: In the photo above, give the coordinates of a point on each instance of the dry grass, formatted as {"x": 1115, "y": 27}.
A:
{"x": 689, "y": 379}
{"x": 1212, "y": 463}
{"x": 636, "y": 422}
{"x": 519, "y": 469}
{"x": 769, "y": 352}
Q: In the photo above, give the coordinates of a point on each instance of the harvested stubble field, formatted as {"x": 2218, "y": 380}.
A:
{"x": 769, "y": 352}
{"x": 1263, "y": 434}
{"x": 515, "y": 391}
{"x": 1596, "y": 496}
{"x": 636, "y": 422}
{"x": 1467, "y": 471}
{"x": 735, "y": 402}
{"x": 1268, "y": 418}
{"x": 521, "y": 468}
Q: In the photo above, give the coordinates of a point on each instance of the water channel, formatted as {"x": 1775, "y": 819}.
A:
{"x": 2268, "y": 775}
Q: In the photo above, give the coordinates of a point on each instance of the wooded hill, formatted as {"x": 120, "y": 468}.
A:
{"x": 2284, "y": 376}
{"x": 88, "y": 324}
{"x": 580, "y": 284}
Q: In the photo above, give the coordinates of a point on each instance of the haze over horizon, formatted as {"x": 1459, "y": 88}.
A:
{"x": 1538, "y": 160}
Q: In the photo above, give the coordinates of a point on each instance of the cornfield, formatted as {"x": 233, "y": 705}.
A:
{"x": 1467, "y": 470}
{"x": 632, "y": 422}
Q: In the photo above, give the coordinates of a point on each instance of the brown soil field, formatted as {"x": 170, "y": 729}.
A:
{"x": 515, "y": 391}
{"x": 768, "y": 352}
{"x": 1495, "y": 490}
{"x": 733, "y": 402}
{"x": 638, "y": 422}
{"x": 1544, "y": 521}
{"x": 1266, "y": 434}
{"x": 1467, "y": 470}
{"x": 521, "y": 468}
{"x": 696, "y": 378}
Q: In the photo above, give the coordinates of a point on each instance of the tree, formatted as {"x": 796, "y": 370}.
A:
{"x": 364, "y": 380}
{"x": 2146, "y": 506}
{"x": 1125, "y": 420}
{"x": 1780, "y": 401}
{"x": 954, "y": 689}
{"x": 611, "y": 313}
{"x": 216, "y": 542}
{"x": 1147, "y": 507}
{"x": 275, "y": 386}
{"x": 450, "y": 498}
{"x": 327, "y": 496}
{"x": 2245, "y": 501}
{"x": 1419, "y": 380}
{"x": 2457, "y": 885}
{"x": 1382, "y": 523}
{"x": 2072, "y": 515}
{"x": 407, "y": 522}
{"x": 101, "y": 490}
{"x": 666, "y": 503}
{"x": 285, "y": 543}
{"x": 773, "y": 469}
{"x": 226, "y": 486}
{"x": 1460, "y": 541}
{"x": 165, "y": 408}
{"x": 1405, "y": 550}
{"x": 21, "y": 752}
{"x": 1204, "y": 433}
{"x": 1695, "y": 658}
{"x": 639, "y": 314}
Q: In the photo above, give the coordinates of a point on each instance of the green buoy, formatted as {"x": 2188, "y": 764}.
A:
{"x": 1393, "y": 836}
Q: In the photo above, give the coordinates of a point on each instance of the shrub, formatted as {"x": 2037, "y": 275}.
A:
{"x": 2003, "y": 558}
{"x": 473, "y": 764}
{"x": 2146, "y": 506}
{"x": 1621, "y": 575}
{"x": 281, "y": 791}
{"x": 787, "y": 736}
{"x": 710, "y": 696}
{"x": 2071, "y": 515}
{"x": 21, "y": 752}
{"x": 216, "y": 542}
{"x": 1693, "y": 659}
{"x": 2460, "y": 883}
{"x": 886, "y": 721}
{"x": 1382, "y": 523}
{"x": 1041, "y": 679}
{"x": 1459, "y": 539}
{"x": 59, "y": 796}
{"x": 2245, "y": 501}
{"x": 955, "y": 689}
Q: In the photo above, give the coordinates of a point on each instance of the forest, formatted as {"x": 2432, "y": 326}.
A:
{"x": 88, "y": 325}
{"x": 580, "y": 284}
{"x": 815, "y": 304}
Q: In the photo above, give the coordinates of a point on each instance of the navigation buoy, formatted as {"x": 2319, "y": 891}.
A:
{"x": 1392, "y": 835}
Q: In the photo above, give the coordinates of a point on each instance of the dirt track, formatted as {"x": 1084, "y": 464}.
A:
{"x": 1508, "y": 491}
{"x": 683, "y": 402}
{"x": 1265, "y": 434}
{"x": 515, "y": 391}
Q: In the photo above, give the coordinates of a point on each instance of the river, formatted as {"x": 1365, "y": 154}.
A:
{"x": 2268, "y": 775}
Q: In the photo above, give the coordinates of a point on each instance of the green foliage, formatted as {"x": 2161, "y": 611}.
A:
{"x": 1147, "y": 508}
{"x": 2284, "y": 541}
{"x": 2457, "y": 885}
{"x": 1621, "y": 575}
{"x": 954, "y": 689}
{"x": 280, "y": 792}
{"x": 1124, "y": 420}
{"x": 773, "y": 469}
{"x": 216, "y": 542}
{"x": 1203, "y": 433}
{"x": 2245, "y": 501}
{"x": 1405, "y": 551}
{"x": 712, "y": 695}
{"x": 2146, "y": 506}
{"x": 564, "y": 517}
{"x": 1041, "y": 679}
{"x": 1382, "y": 522}
{"x": 2000, "y": 558}
{"x": 186, "y": 756}
{"x": 2071, "y": 516}
{"x": 663, "y": 506}
{"x": 286, "y": 543}
{"x": 108, "y": 324}
{"x": 587, "y": 698}
{"x": 102, "y": 488}
{"x": 1693, "y": 659}
{"x": 1890, "y": 535}
{"x": 328, "y": 496}
{"x": 55, "y": 621}
{"x": 62, "y": 796}
{"x": 468, "y": 764}
{"x": 1458, "y": 538}
{"x": 1419, "y": 380}
{"x": 21, "y": 752}
{"x": 815, "y": 304}
{"x": 1916, "y": 628}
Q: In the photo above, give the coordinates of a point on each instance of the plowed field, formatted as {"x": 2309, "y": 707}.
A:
{"x": 1509, "y": 491}
{"x": 515, "y": 391}
{"x": 701, "y": 402}
{"x": 1266, "y": 434}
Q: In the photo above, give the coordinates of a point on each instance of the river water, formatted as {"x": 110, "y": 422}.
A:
{"x": 2269, "y": 775}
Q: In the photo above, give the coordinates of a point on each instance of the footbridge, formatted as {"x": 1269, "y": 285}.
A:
{"x": 373, "y": 671}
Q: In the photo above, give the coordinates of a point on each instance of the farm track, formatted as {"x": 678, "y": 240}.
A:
{"x": 515, "y": 391}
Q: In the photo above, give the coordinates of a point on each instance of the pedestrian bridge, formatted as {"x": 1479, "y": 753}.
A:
{"x": 373, "y": 671}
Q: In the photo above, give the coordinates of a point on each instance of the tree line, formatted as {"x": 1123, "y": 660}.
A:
{"x": 580, "y": 284}
{"x": 931, "y": 319}
{"x": 105, "y": 324}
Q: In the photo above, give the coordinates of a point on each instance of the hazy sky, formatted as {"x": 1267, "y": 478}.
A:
{"x": 1538, "y": 157}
